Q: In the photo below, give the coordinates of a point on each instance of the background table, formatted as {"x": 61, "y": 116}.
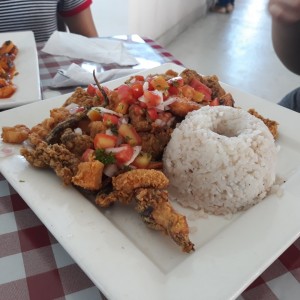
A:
{"x": 33, "y": 265}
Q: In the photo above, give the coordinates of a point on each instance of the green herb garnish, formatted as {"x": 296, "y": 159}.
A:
{"x": 104, "y": 157}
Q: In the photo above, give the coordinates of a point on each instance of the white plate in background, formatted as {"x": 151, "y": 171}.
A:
{"x": 126, "y": 260}
{"x": 28, "y": 79}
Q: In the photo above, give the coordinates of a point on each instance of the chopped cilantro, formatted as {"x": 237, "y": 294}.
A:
{"x": 114, "y": 129}
{"x": 105, "y": 158}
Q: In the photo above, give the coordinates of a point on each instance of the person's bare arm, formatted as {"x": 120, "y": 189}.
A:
{"x": 82, "y": 23}
{"x": 286, "y": 32}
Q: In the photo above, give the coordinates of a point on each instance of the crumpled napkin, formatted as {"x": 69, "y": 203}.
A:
{"x": 100, "y": 50}
{"x": 74, "y": 75}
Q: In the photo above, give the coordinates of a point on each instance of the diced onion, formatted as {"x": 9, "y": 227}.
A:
{"x": 115, "y": 149}
{"x": 136, "y": 152}
{"x": 170, "y": 122}
{"x": 164, "y": 105}
{"x": 78, "y": 131}
{"x": 108, "y": 132}
{"x": 110, "y": 170}
{"x": 146, "y": 85}
{"x": 123, "y": 120}
{"x": 159, "y": 122}
{"x": 159, "y": 93}
{"x": 72, "y": 108}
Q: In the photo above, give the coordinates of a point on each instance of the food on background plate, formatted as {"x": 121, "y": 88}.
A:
{"x": 8, "y": 53}
{"x": 226, "y": 161}
{"x": 109, "y": 144}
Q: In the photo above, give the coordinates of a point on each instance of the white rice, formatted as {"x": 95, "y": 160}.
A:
{"x": 220, "y": 159}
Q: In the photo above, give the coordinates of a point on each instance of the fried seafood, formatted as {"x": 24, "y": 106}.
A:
{"x": 15, "y": 135}
{"x": 157, "y": 213}
{"x": 8, "y": 47}
{"x": 77, "y": 143}
{"x": 89, "y": 175}
{"x": 148, "y": 189}
{"x": 82, "y": 98}
{"x": 8, "y": 52}
{"x": 183, "y": 106}
{"x": 271, "y": 124}
{"x": 6, "y": 88}
{"x": 57, "y": 157}
{"x": 155, "y": 143}
{"x": 71, "y": 122}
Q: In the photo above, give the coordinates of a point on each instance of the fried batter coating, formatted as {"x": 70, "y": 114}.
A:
{"x": 104, "y": 200}
{"x": 272, "y": 125}
{"x": 139, "y": 178}
{"x": 89, "y": 175}
{"x": 183, "y": 106}
{"x": 155, "y": 143}
{"x": 139, "y": 120}
{"x": 39, "y": 132}
{"x": 82, "y": 98}
{"x": 188, "y": 75}
{"x": 72, "y": 122}
{"x": 59, "y": 114}
{"x": 213, "y": 83}
{"x": 226, "y": 100}
{"x": 157, "y": 212}
{"x": 76, "y": 143}
{"x": 15, "y": 135}
{"x": 147, "y": 188}
{"x": 57, "y": 157}
{"x": 96, "y": 127}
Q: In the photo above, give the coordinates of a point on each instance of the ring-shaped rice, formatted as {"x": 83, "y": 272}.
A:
{"x": 220, "y": 159}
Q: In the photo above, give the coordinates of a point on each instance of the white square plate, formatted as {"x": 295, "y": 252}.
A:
{"x": 28, "y": 79}
{"x": 126, "y": 260}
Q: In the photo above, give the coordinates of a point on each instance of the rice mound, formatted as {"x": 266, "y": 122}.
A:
{"x": 220, "y": 159}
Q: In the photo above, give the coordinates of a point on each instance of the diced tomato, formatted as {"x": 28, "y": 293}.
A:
{"x": 139, "y": 78}
{"x": 214, "y": 102}
{"x": 94, "y": 115}
{"x": 150, "y": 86}
{"x": 88, "y": 155}
{"x": 166, "y": 95}
{"x": 198, "y": 96}
{"x": 125, "y": 154}
{"x": 109, "y": 119}
{"x": 128, "y": 132}
{"x": 173, "y": 90}
{"x": 137, "y": 109}
{"x": 103, "y": 141}
{"x": 125, "y": 94}
{"x": 91, "y": 90}
{"x": 142, "y": 160}
{"x": 142, "y": 104}
{"x": 200, "y": 87}
{"x": 159, "y": 83}
{"x": 137, "y": 90}
{"x": 152, "y": 99}
{"x": 152, "y": 113}
{"x": 188, "y": 91}
{"x": 122, "y": 108}
{"x": 176, "y": 81}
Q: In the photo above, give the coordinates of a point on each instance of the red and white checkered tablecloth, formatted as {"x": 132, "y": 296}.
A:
{"x": 33, "y": 265}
